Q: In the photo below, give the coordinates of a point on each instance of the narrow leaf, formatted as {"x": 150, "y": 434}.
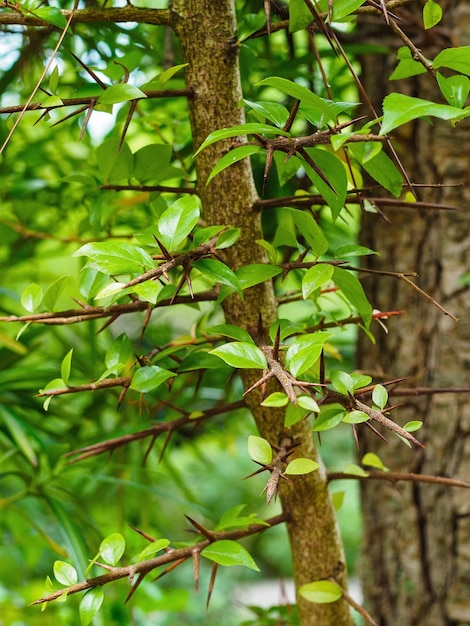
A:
{"x": 178, "y": 221}
{"x": 65, "y": 366}
{"x": 237, "y": 131}
{"x": 90, "y": 604}
{"x": 235, "y": 155}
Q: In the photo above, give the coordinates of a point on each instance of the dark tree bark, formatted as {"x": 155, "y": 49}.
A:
{"x": 416, "y": 556}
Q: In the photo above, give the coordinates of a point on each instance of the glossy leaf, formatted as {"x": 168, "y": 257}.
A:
{"x": 432, "y": 14}
{"x": 380, "y": 396}
{"x": 380, "y": 167}
{"x": 260, "y": 450}
{"x": 308, "y": 403}
{"x": 304, "y": 351}
{"x": 412, "y": 426}
{"x": 119, "y": 353}
{"x": 299, "y": 15}
{"x": 342, "y": 382}
{"x": 120, "y": 93}
{"x": 219, "y": 272}
{"x": 53, "y": 292}
{"x": 294, "y": 414}
{"x": 65, "y": 366}
{"x": 315, "y": 277}
{"x": 233, "y": 156}
{"x": 457, "y": 59}
{"x": 116, "y": 258}
{"x": 352, "y": 250}
{"x": 178, "y": 221}
{"x": 276, "y": 399}
{"x": 334, "y": 172}
{"x": 90, "y": 604}
{"x": 301, "y": 466}
{"x": 255, "y": 273}
{"x": 274, "y": 112}
{"x": 227, "y": 552}
{"x": 52, "y": 15}
{"x": 31, "y": 298}
{"x": 321, "y": 591}
{"x": 343, "y": 8}
{"x": 151, "y": 550}
{"x": 229, "y": 330}
{"x": 65, "y": 573}
{"x": 309, "y": 229}
{"x": 239, "y": 131}
{"x": 241, "y": 354}
{"x": 149, "y": 377}
{"x": 399, "y": 109}
{"x": 114, "y": 162}
{"x": 355, "y": 417}
{"x": 455, "y": 89}
{"x": 354, "y": 292}
{"x": 407, "y": 66}
{"x": 112, "y": 548}
{"x": 328, "y": 419}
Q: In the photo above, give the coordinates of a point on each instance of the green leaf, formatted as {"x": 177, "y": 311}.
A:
{"x": 380, "y": 396}
{"x": 120, "y": 93}
{"x": 337, "y": 499}
{"x": 31, "y": 297}
{"x": 249, "y": 24}
{"x": 114, "y": 163}
{"x": 65, "y": 366}
{"x": 315, "y": 277}
{"x": 334, "y": 171}
{"x": 232, "y": 331}
{"x": 432, "y": 14}
{"x": 149, "y": 377}
{"x": 328, "y": 419}
{"x": 54, "y": 291}
{"x": 165, "y": 76}
{"x": 119, "y": 353}
{"x": 260, "y": 450}
{"x": 274, "y": 112}
{"x": 90, "y": 604}
{"x": 343, "y": 8}
{"x": 227, "y": 552}
{"x": 219, "y": 272}
{"x": 239, "y": 131}
{"x": 299, "y": 15}
{"x": 342, "y": 382}
{"x": 372, "y": 460}
{"x": 355, "y": 417}
{"x": 355, "y": 470}
{"x": 321, "y": 591}
{"x": 276, "y": 399}
{"x": 116, "y": 258}
{"x": 65, "y": 573}
{"x": 112, "y": 548}
{"x": 151, "y": 550}
{"x": 354, "y": 293}
{"x": 304, "y": 351}
{"x": 233, "y": 156}
{"x": 294, "y": 414}
{"x": 310, "y": 230}
{"x": 352, "y": 250}
{"x": 241, "y": 354}
{"x": 52, "y": 16}
{"x": 301, "y": 93}
{"x": 410, "y": 427}
{"x": 308, "y": 403}
{"x": 380, "y": 167}
{"x": 457, "y": 59}
{"x": 18, "y": 431}
{"x": 151, "y": 161}
{"x": 301, "y": 466}
{"x": 91, "y": 282}
{"x": 407, "y": 66}
{"x": 178, "y": 221}
{"x": 455, "y": 89}
{"x": 255, "y": 273}
{"x": 399, "y": 109}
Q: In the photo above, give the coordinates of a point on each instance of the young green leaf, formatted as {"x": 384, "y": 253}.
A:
{"x": 273, "y": 111}
{"x": 294, "y": 414}
{"x": 116, "y": 257}
{"x": 276, "y": 399}
{"x": 232, "y": 331}
{"x": 299, "y": 15}
{"x": 315, "y": 277}
{"x": 304, "y": 351}
{"x": 52, "y": 15}
{"x": 432, "y": 14}
{"x": 151, "y": 550}
{"x": 178, "y": 221}
{"x": 260, "y": 450}
{"x": 237, "y": 131}
{"x": 90, "y": 604}
{"x": 151, "y": 161}
{"x": 241, "y": 354}
{"x": 355, "y": 417}
{"x": 112, "y": 548}
{"x": 342, "y": 382}
{"x": 334, "y": 172}
{"x": 54, "y": 291}
{"x": 227, "y": 552}
{"x": 455, "y": 89}
{"x": 410, "y": 427}
{"x": 310, "y": 230}
{"x": 149, "y": 377}
{"x": 372, "y": 460}
{"x": 352, "y": 250}
{"x": 250, "y": 275}
{"x": 219, "y": 272}
{"x": 354, "y": 292}
{"x": 65, "y": 366}
{"x": 301, "y": 466}
{"x": 65, "y": 573}
{"x": 120, "y": 93}
{"x": 407, "y": 66}
{"x": 308, "y": 403}
{"x": 337, "y": 499}
{"x": 235, "y": 155}
{"x": 321, "y": 591}
{"x": 31, "y": 297}
{"x": 328, "y": 419}
{"x": 457, "y": 59}
{"x": 380, "y": 396}
{"x": 355, "y": 470}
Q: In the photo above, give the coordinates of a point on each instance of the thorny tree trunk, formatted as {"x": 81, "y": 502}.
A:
{"x": 207, "y": 32}
{"x": 416, "y": 561}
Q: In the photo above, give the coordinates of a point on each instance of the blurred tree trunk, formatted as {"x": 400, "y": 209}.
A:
{"x": 416, "y": 556}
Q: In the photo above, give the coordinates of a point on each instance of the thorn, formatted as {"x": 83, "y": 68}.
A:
{"x": 196, "y": 561}
{"x": 207, "y": 533}
{"x": 277, "y": 341}
{"x": 211, "y": 584}
{"x": 165, "y": 444}
{"x": 165, "y": 252}
{"x": 134, "y": 587}
{"x": 132, "y": 109}
{"x": 142, "y": 533}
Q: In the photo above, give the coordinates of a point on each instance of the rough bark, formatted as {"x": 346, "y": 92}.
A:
{"x": 416, "y": 557}
{"x": 207, "y": 32}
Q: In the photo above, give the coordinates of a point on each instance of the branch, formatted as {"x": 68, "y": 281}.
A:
{"x": 74, "y": 316}
{"x": 172, "y": 555}
{"x": 161, "y": 188}
{"x": 89, "y": 100}
{"x": 153, "y": 431}
{"x": 395, "y": 477}
{"x": 129, "y": 13}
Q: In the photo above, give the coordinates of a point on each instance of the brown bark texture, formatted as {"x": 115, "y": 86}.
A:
{"x": 207, "y": 33}
{"x": 416, "y": 555}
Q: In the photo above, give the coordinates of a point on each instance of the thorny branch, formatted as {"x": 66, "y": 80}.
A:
{"x": 171, "y": 556}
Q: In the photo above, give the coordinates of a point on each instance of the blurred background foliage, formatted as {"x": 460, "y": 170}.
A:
{"x": 50, "y": 204}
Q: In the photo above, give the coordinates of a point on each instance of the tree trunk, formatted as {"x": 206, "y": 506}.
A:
{"x": 416, "y": 563}
{"x": 208, "y": 34}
